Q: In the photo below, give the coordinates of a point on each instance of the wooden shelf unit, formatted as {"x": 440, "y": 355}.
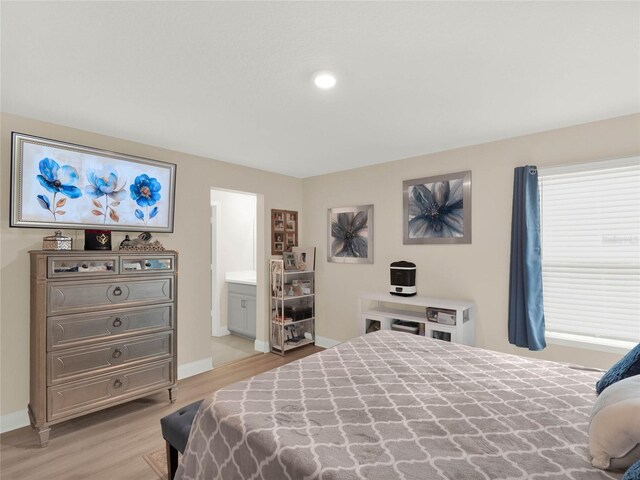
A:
{"x": 384, "y": 308}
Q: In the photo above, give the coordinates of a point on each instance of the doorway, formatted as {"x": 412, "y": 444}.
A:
{"x": 234, "y": 267}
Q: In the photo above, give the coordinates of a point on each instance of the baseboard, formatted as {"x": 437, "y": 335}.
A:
{"x": 260, "y": 346}
{"x": 325, "y": 342}
{"x": 14, "y": 420}
{"x": 194, "y": 368}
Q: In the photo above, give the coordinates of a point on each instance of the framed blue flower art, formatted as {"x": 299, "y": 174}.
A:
{"x": 61, "y": 185}
{"x": 437, "y": 209}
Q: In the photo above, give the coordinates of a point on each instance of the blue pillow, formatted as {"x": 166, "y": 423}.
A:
{"x": 633, "y": 473}
{"x": 627, "y": 366}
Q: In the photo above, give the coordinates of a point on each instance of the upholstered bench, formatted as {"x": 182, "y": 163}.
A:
{"x": 175, "y": 430}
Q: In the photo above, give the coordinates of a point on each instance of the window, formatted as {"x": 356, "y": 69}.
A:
{"x": 590, "y": 225}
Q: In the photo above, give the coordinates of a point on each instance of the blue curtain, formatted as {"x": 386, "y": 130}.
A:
{"x": 526, "y": 311}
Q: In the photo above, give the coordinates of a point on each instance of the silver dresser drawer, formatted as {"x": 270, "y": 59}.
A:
{"x": 82, "y": 396}
{"x": 82, "y": 329}
{"x": 83, "y": 266}
{"x": 145, "y": 264}
{"x": 67, "y": 297}
{"x": 77, "y": 363}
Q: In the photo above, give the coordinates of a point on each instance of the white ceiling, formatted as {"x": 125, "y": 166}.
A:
{"x": 231, "y": 80}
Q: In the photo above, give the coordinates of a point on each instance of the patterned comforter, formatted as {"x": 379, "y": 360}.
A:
{"x": 392, "y": 405}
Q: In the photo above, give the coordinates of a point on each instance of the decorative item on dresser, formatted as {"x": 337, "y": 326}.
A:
{"x": 292, "y": 307}
{"x": 97, "y": 239}
{"x": 57, "y": 242}
{"x": 103, "y": 331}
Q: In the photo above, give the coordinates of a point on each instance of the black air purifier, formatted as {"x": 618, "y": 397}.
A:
{"x": 403, "y": 279}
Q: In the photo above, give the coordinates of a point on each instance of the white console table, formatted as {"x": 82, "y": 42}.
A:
{"x": 384, "y": 308}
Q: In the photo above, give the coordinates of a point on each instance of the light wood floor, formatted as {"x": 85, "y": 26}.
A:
{"x": 230, "y": 348}
{"x": 110, "y": 444}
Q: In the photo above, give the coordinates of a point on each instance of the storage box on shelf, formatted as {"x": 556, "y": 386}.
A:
{"x": 384, "y": 311}
{"x": 292, "y": 307}
{"x": 103, "y": 331}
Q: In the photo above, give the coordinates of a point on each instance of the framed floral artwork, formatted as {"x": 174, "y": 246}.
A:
{"x": 62, "y": 185}
{"x": 437, "y": 209}
{"x": 350, "y": 234}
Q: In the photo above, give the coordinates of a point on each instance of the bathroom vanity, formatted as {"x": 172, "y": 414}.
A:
{"x": 241, "y": 303}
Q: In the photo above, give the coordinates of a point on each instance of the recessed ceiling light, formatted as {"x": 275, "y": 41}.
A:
{"x": 324, "y": 80}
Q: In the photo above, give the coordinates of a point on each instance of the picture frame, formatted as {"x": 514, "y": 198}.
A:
{"x": 284, "y": 231}
{"x": 291, "y": 224}
{"x": 291, "y": 241}
{"x": 350, "y": 234}
{"x": 437, "y": 209}
{"x": 305, "y": 258}
{"x": 57, "y": 184}
{"x": 289, "y": 261}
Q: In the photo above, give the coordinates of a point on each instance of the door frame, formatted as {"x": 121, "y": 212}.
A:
{"x": 216, "y": 285}
{"x": 261, "y": 343}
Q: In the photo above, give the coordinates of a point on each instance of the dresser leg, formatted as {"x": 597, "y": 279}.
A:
{"x": 43, "y": 433}
{"x": 173, "y": 394}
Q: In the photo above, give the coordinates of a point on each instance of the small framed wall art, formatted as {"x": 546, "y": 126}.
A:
{"x": 350, "y": 234}
{"x": 284, "y": 231}
{"x": 437, "y": 209}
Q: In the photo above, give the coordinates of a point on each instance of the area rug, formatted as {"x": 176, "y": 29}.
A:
{"x": 157, "y": 460}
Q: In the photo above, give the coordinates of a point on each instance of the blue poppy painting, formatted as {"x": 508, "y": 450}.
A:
{"x": 146, "y": 192}
{"x": 57, "y": 180}
{"x": 437, "y": 209}
{"x": 61, "y": 185}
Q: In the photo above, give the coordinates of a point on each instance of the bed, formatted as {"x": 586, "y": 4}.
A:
{"x": 391, "y": 405}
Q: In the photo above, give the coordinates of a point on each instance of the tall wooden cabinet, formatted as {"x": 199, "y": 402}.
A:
{"x": 103, "y": 331}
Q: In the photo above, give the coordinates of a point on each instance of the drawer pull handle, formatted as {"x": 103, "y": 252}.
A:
{"x": 147, "y": 264}
{"x": 117, "y": 322}
{"x": 117, "y": 383}
{"x": 85, "y": 266}
{"x": 117, "y": 292}
{"x": 117, "y": 353}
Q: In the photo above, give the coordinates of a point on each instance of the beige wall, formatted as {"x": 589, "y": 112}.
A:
{"x": 477, "y": 272}
{"x": 195, "y": 177}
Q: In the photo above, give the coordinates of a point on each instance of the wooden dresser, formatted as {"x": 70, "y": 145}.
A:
{"x": 103, "y": 331}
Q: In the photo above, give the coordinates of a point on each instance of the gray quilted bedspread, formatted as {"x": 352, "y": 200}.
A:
{"x": 392, "y": 405}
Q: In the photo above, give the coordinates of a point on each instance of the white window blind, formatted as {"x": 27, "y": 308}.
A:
{"x": 590, "y": 225}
